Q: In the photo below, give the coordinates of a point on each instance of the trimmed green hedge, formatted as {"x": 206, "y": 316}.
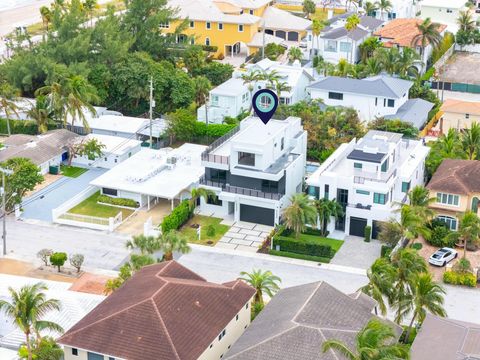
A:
{"x": 212, "y": 130}
{"x": 117, "y": 201}
{"x": 368, "y": 233}
{"x": 305, "y": 247}
{"x": 177, "y": 217}
{"x": 456, "y": 278}
{"x": 27, "y": 127}
{"x": 299, "y": 256}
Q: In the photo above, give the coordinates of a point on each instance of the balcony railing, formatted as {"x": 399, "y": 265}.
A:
{"x": 241, "y": 190}
{"x": 220, "y": 159}
{"x": 362, "y": 177}
{"x": 360, "y": 206}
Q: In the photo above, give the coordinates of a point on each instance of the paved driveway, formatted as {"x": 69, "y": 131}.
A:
{"x": 39, "y": 205}
{"x": 357, "y": 253}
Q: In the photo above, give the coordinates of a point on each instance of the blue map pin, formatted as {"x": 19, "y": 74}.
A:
{"x": 265, "y": 103}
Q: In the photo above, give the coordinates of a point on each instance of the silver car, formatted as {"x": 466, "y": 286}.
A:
{"x": 443, "y": 256}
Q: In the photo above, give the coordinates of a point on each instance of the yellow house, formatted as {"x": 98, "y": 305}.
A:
{"x": 458, "y": 115}
{"x": 456, "y": 188}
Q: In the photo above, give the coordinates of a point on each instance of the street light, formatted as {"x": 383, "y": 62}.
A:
{"x": 4, "y": 206}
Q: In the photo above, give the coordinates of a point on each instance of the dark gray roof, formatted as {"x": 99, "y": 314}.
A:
{"x": 361, "y": 155}
{"x": 367, "y": 25}
{"x": 296, "y": 322}
{"x": 381, "y": 85}
{"x": 414, "y": 111}
{"x": 370, "y": 22}
{"x": 341, "y": 32}
{"x": 446, "y": 339}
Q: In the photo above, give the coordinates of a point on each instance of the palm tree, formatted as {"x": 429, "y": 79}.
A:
{"x": 406, "y": 63}
{"x": 299, "y": 213}
{"x": 46, "y": 16}
{"x": 198, "y": 193}
{"x": 56, "y": 99}
{"x": 368, "y": 47}
{"x": 426, "y": 295}
{"x": 420, "y": 202}
{"x": 271, "y": 77}
{"x": 26, "y": 309}
{"x": 317, "y": 27}
{"x": 249, "y": 79}
{"x": 8, "y": 105}
{"x": 381, "y": 276}
{"x": 281, "y": 86}
{"x": 40, "y": 112}
{"x": 372, "y": 67}
{"x": 374, "y": 342}
{"x": 294, "y": 53}
{"x": 262, "y": 282}
{"x": 350, "y": 25}
{"x": 388, "y": 58}
{"x": 465, "y": 21}
{"x": 471, "y": 141}
{"x": 327, "y": 209}
{"x": 146, "y": 244}
{"x": 370, "y": 8}
{"x": 468, "y": 230}
{"x": 448, "y": 143}
{"x": 411, "y": 224}
{"x": 428, "y": 34}
{"x": 79, "y": 94}
{"x": 202, "y": 88}
{"x": 172, "y": 241}
{"x": 384, "y": 5}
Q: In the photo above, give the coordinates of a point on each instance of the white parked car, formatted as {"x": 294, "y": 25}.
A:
{"x": 443, "y": 256}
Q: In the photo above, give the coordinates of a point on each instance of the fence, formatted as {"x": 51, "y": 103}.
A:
{"x": 427, "y": 130}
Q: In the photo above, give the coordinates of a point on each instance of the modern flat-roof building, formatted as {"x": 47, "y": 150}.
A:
{"x": 150, "y": 174}
{"x": 255, "y": 169}
{"x": 164, "y": 311}
{"x": 369, "y": 177}
{"x": 444, "y": 11}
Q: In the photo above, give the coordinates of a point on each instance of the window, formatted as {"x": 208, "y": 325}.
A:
{"x": 269, "y": 186}
{"x": 345, "y": 46}
{"x": 380, "y": 198}
{"x": 357, "y": 165}
{"x": 314, "y": 191}
{"x": 384, "y": 102}
{"x": 222, "y": 334}
{"x": 450, "y": 221}
{"x": 106, "y": 159}
{"x": 207, "y": 41}
{"x": 192, "y": 24}
{"x": 331, "y": 46}
{"x": 475, "y": 204}
{"x": 240, "y": 28}
{"x": 282, "y": 143}
{"x": 246, "y": 306}
{"x": 245, "y": 158}
{"x": 391, "y": 103}
{"x": 214, "y": 200}
{"x": 326, "y": 191}
{"x": 164, "y": 25}
{"x": 245, "y": 97}
{"x": 211, "y": 345}
{"x": 107, "y": 191}
{"x": 376, "y": 101}
{"x": 208, "y": 24}
{"x": 384, "y": 166}
{"x": 335, "y": 95}
{"x": 467, "y": 116}
{"x": 449, "y": 11}
{"x": 362, "y": 192}
{"x": 447, "y": 199}
{"x": 285, "y": 101}
{"x": 220, "y": 26}
{"x": 236, "y": 317}
{"x": 214, "y": 100}
{"x": 94, "y": 356}
{"x": 116, "y": 160}
{"x": 111, "y": 358}
{"x": 75, "y": 351}
{"x": 129, "y": 154}
{"x": 192, "y": 41}
{"x": 405, "y": 186}
{"x": 218, "y": 175}
{"x": 251, "y": 12}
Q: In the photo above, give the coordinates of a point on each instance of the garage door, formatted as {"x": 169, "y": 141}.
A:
{"x": 357, "y": 226}
{"x": 376, "y": 228}
{"x": 257, "y": 215}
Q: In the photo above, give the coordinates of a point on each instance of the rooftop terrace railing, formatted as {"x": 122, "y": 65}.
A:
{"x": 241, "y": 190}
{"x": 219, "y": 159}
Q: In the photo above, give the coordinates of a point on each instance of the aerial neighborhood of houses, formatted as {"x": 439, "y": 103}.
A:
{"x": 240, "y": 179}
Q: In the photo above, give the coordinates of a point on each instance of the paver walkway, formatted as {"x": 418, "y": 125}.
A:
{"x": 357, "y": 253}
{"x": 244, "y": 236}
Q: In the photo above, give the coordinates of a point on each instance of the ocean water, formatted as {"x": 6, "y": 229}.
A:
{"x": 10, "y": 4}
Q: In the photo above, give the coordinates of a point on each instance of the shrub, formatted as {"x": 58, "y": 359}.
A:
{"x": 76, "y": 260}
{"x": 368, "y": 233}
{"x": 210, "y": 230}
{"x": 462, "y": 266}
{"x": 212, "y": 130}
{"x": 177, "y": 217}
{"x": 385, "y": 251}
{"x": 305, "y": 247}
{"x": 44, "y": 255}
{"x": 417, "y": 246}
{"x": 117, "y": 201}
{"x": 456, "y": 278}
{"x": 299, "y": 256}
{"x": 58, "y": 259}
{"x": 439, "y": 235}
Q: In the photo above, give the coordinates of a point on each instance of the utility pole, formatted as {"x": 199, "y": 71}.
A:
{"x": 152, "y": 104}
{"x": 4, "y": 208}
{"x": 263, "y": 40}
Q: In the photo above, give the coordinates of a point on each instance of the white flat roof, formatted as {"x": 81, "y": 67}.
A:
{"x": 231, "y": 87}
{"x": 452, "y": 4}
{"x": 75, "y": 305}
{"x": 148, "y": 173}
{"x": 125, "y": 124}
{"x": 114, "y": 144}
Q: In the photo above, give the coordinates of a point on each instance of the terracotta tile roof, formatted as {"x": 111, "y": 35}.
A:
{"x": 461, "y": 107}
{"x": 455, "y": 176}
{"x": 165, "y": 311}
{"x": 401, "y": 32}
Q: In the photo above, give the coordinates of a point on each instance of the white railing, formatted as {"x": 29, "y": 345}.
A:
{"x": 86, "y": 218}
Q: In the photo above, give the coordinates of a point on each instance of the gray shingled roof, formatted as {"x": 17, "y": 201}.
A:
{"x": 296, "y": 322}
{"x": 341, "y": 32}
{"x": 367, "y": 24}
{"x": 414, "y": 111}
{"x": 381, "y": 85}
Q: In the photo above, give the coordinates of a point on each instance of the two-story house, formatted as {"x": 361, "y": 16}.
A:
{"x": 458, "y": 115}
{"x": 456, "y": 188}
{"x": 372, "y": 97}
{"x": 398, "y": 9}
{"x": 445, "y": 11}
{"x": 255, "y": 169}
{"x": 369, "y": 178}
{"x": 164, "y": 311}
{"x": 335, "y": 42}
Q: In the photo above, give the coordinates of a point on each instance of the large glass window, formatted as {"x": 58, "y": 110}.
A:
{"x": 331, "y": 46}
{"x": 357, "y": 165}
{"x": 448, "y": 199}
{"x": 380, "y": 198}
{"x": 107, "y": 191}
{"x": 269, "y": 186}
{"x": 405, "y": 186}
{"x": 384, "y": 167}
{"x": 345, "y": 46}
{"x": 245, "y": 158}
{"x": 218, "y": 175}
{"x": 450, "y": 221}
{"x": 475, "y": 204}
{"x": 313, "y": 191}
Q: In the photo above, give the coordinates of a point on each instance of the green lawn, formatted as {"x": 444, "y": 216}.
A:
{"x": 204, "y": 222}
{"x": 334, "y": 244}
{"x": 72, "y": 171}
{"x": 90, "y": 207}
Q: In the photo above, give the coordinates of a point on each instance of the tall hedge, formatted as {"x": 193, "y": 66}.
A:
{"x": 28, "y": 127}
{"x": 305, "y": 247}
{"x": 177, "y": 217}
{"x": 212, "y": 130}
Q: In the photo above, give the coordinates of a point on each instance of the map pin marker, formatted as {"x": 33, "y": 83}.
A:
{"x": 265, "y": 103}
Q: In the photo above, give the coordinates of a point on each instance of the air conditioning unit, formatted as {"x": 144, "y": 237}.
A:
{"x": 172, "y": 160}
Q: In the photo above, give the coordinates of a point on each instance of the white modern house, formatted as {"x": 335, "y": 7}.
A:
{"x": 254, "y": 170}
{"x": 369, "y": 177}
{"x": 115, "y": 150}
{"x": 399, "y": 9}
{"x": 151, "y": 175}
{"x": 377, "y": 96}
{"x": 335, "y": 42}
{"x": 444, "y": 11}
